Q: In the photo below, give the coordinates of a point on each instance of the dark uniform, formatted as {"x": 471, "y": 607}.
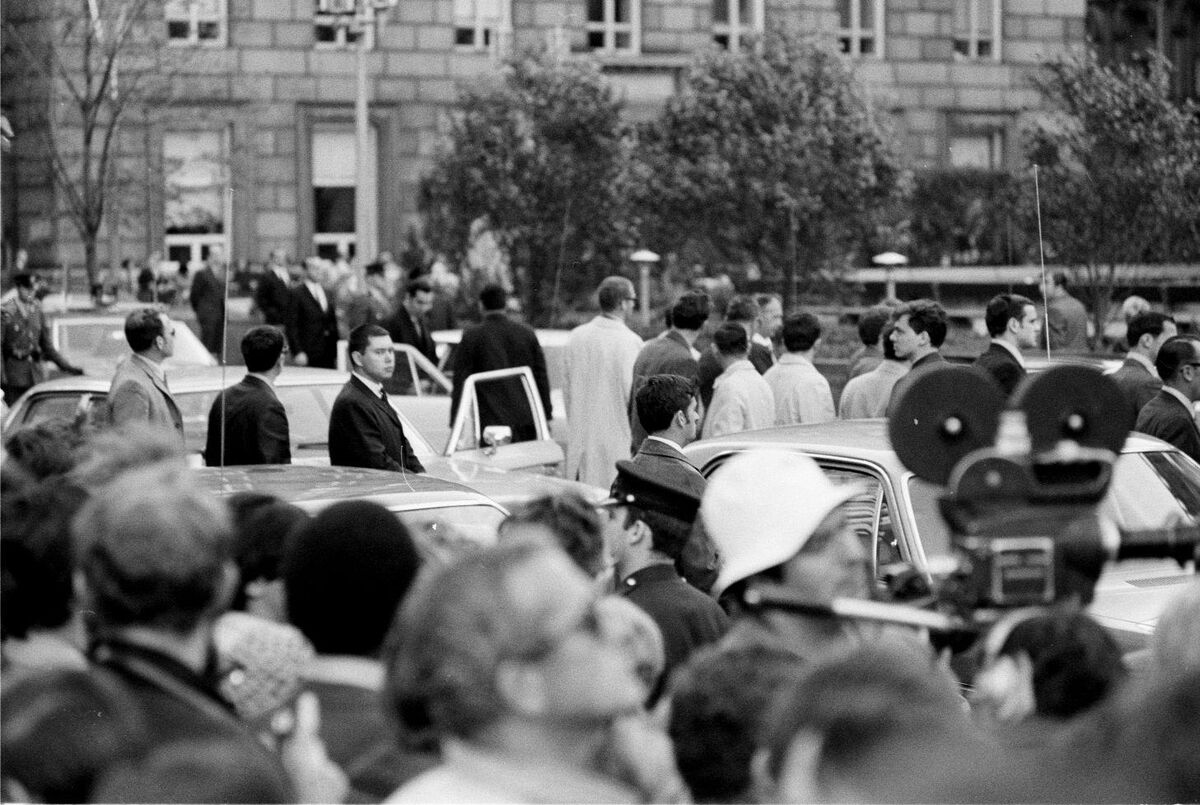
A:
{"x": 25, "y": 343}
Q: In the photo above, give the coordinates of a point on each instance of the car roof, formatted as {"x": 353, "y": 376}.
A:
{"x": 547, "y": 337}
{"x": 204, "y": 378}
{"x": 313, "y": 487}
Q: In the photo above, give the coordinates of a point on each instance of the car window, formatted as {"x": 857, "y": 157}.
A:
{"x": 307, "y": 410}
{"x": 507, "y": 400}
{"x": 1154, "y": 489}
{"x": 102, "y": 340}
{"x": 868, "y": 512}
{"x": 931, "y": 526}
{"x": 50, "y": 406}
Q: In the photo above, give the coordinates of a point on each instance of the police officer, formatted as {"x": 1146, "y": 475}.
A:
{"x": 25, "y": 342}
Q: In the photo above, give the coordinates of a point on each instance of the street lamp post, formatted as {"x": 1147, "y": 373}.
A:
{"x": 645, "y": 260}
{"x": 889, "y": 260}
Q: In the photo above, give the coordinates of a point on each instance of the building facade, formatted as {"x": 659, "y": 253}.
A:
{"x": 249, "y": 143}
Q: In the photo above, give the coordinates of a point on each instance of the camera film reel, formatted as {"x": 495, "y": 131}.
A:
{"x": 1075, "y": 403}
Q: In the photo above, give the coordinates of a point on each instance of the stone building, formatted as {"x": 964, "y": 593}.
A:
{"x": 249, "y": 140}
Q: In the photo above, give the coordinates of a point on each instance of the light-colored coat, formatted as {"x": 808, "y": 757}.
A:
{"x": 137, "y": 396}
{"x": 868, "y": 394}
{"x": 741, "y": 400}
{"x": 801, "y": 392}
{"x": 598, "y": 365}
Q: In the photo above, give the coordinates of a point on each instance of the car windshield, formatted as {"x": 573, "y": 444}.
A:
{"x": 104, "y": 341}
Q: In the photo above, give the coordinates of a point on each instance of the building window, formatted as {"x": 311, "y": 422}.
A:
{"x": 977, "y": 29}
{"x": 195, "y": 22}
{"x": 978, "y": 149}
{"x": 861, "y": 27}
{"x": 197, "y": 207}
{"x": 614, "y": 26}
{"x": 335, "y": 26}
{"x": 480, "y": 24}
{"x": 334, "y": 173}
{"x": 733, "y": 20}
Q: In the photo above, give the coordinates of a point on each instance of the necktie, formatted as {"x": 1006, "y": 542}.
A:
{"x": 383, "y": 396}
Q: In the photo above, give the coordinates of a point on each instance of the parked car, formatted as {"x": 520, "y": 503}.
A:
{"x": 1154, "y": 486}
{"x": 308, "y": 394}
{"x": 96, "y": 343}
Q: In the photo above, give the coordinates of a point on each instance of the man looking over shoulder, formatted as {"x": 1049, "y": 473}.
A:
{"x": 1137, "y": 377}
{"x": 139, "y": 393}
{"x": 364, "y": 429}
{"x": 671, "y": 353}
{"x": 247, "y": 423}
{"x": 1012, "y": 322}
{"x": 1169, "y": 415}
{"x": 920, "y": 330}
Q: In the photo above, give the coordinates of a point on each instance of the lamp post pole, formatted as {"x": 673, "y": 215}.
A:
{"x": 645, "y": 260}
{"x": 364, "y": 201}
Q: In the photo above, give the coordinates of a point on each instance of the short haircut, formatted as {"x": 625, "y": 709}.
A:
{"x": 572, "y": 521}
{"x": 493, "y": 297}
{"x": 1061, "y": 279}
{"x": 889, "y": 349}
{"x": 153, "y": 548}
{"x": 731, "y": 339}
{"x": 23, "y": 280}
{"x": 345, "y": 573}
{"x": 691, "y": 311}
{"x": 36, "y": 557}
{"x": 452, "y": 632}
{"x": 741, "y": 308}
{"x": 142, "y": 327}
{"x": 764, "y": 299}
{"x": 720, "y": 702}
{"x": 361, "y": 336}
{"x": 375, "y": 269}
{"x": 1174, "y": 354}
{"x": 1150, "y": 321}
{"x": 800, "y": 331}
{"x": 925, "y": 316}
{"x": 669, "y": 535}
{"x": 1002, "y": 307}
{"x": 261, "y": 538}
{"x": 46, "y": 448}
{"x": 871, "y": 324}
{"x": 261, "y": 348}
{"x": 660, "y": 398}
{"x": 1076, "y": 663}
{"x": 612, "y": 292}
{"x": 418, "y": 285}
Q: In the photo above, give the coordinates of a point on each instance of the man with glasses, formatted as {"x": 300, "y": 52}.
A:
{"x": 498, "y": 658}
{"x": 598, "y": 367}
{"x": 1169, "y": 415}
{"x": 139, "y": 392}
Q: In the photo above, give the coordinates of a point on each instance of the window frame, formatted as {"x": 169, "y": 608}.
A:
{"x": 734, "y": 29}
{"x": 338, "y": 22}
{"x": 193, "y": 38}
{"x": 198, "y": 243}
{"x": 609, "y": 28}
{"x": 485, "y": 38}
{"x": 973, "y": 38}
{"x": 852, "y": 37}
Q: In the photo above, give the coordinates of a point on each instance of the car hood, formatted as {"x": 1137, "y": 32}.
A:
{"x": 507, "y": 488}
{"x": 1131, "y": 594}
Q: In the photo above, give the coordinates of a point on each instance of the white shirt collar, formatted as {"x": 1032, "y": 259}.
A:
{"x": 1179, "y": 395}
{"x": 1016, "y": 353}
{"x": 666, "y": 441}
{"x": 376, "y": 388}
{"x": 1143, "y": 360}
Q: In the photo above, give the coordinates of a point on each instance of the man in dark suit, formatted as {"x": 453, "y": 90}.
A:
{"x": 918, "y": 335}
{"x": 408, "y": 325}
{"x": 271, "y": 294}
{"x": 1137, "y": 377}
{"x": 247, "y": 423}
{"x": 668, "y": 408}
{"x": 669, "y": 354}
{"x": 312, "y": 322}
{"x": 1169, "y": 415}
{"x": 364, "y": 429}
{"x": 657, "y": 516}
{"x": 208, "y": 301}
{"x": 500, "y": 343}
{"x": 1012, "y": 322}
{"x": 742, "y": 310}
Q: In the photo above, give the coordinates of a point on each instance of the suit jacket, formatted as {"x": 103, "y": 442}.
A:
{"x": 311, "y": 330}
{"x": 208, "y": 300}
{"x": 403, "y": 330}
{"x": 709, "y": 368}
{"x": 933, "y": 360}
{"x": 1170, "y": 420}
{"x": 500, "y": 343}
{"x": 272, "y": 296}
{"x": 256, "y": 426}
{"x": 1002, "y": 367}
{"x": 365, "y": 431}
{"x": 135, "y": 395}
{"x": 668, "y": 354}
{"x": 25, "y": 342}
{"x": 1138, "y": 384}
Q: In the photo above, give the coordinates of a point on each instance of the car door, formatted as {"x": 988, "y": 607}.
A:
{"x": 491, "y": 446}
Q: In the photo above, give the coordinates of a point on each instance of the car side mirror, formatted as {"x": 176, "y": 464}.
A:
{"x": 496, "y": 436}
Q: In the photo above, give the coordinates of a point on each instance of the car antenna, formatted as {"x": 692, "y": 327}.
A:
{"x": 225, "y": 330}
{"x": 1037, "y": 195}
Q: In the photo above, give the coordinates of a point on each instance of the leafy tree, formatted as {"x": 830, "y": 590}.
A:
{"x": 1118, "y": 171}
{"x": 99, "y": 64}
{"x": 771, "y": 155}
{"x": 967, "y": 217}
{"x": 538, "y": 156}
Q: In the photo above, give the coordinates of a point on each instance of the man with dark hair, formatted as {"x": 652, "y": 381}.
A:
{"x": 500, "y": 343}
{"x": 918, "y": 333}
{"x": 870, "y": 332}
{"x": 1066, "y": 317}
{"x": 364, "y": 428}
{"x": 312, "y": 319}
{"x": 408, "y": 325}
{"x": 802, "y": 394}
{"x": 743, "y": 311}
{"x": 657, "y": 520}
{"x": 770, "y": 320}
{"x": 569, "y": 521}
{"x": 671, "y": 353}
{"x": 1137, "y": 377}
{"x": 741, "y": 399}
{"x": 374, "y": 304}
{"x": 271, "y": 293}
{"x": 25, "y": 341}
{"x": 867, "y": 395}
{"x": 247, "y": 423}
{"x": 1012, "y": 322}
{"x": 138, "y": 393}
{"x": 598, "y": 371}
{"x": 208, "y": 301}
{"x": 1169, "y": 415}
